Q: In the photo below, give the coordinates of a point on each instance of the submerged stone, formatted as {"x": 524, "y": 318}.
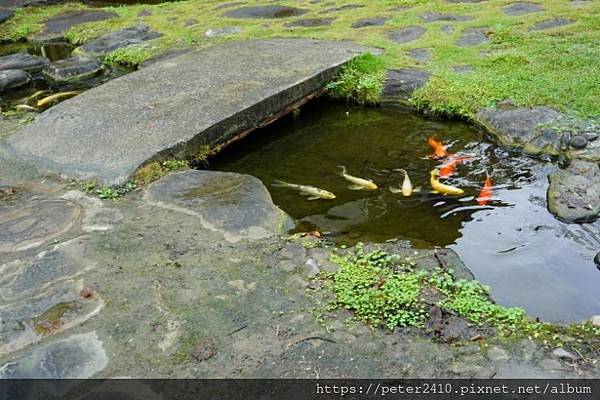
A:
{"x": 103, "y": 45}
{"x": 362, "y": 23}
{"x": 75, "y": 357}
{"x": 13, "y": 78}
{"x": 473, "y": 37}
{"x": 522, "y": 8}
{"x": 72, "y": 69}
{"x": 436, "y": 16}
{"x": 551, "y": 23}
{"x": 23, "y": 61}
{"x": 266, "y": 12}
{"x": 310, "y": 22}
{"x": 400, "y": 84}
{"x": 238, "y": 206}
{"x": 408, "y": 34}
{"x": 227, "y": 31}
{"x": 574, "y": 193}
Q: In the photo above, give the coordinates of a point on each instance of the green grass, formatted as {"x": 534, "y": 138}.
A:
{"x": 558, "y": 67}
{"x": 383, "y": 289}
{"x": 361, "y": 80}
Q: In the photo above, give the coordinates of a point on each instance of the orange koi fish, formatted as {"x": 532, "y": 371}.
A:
{"x": 486, "y": 192}
{"x": 439, "y": 150}
{"x": 447, "y": 169}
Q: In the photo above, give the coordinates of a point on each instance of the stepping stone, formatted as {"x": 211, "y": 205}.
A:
{"x": 435, "y": 16}
{"x": 23, "y": 61}
{"x": 522, "y": 8}
{"x": 107, "y": 132}
{"x": 5, "y": 15}
{"x": 421, "y": 55}
{"x": 405, "y": 35}
{"x": 580, "y": 3}
{"x": 72, "y": 69}
{"x": 465, "y": 1}
{"x": 266, "y": 12}
{"x": 144, "y": 13}
{"x": 13, "y": 78}
{"x": 463, "y": 69}
{"x": 574, "y": 193}
{"x": 448, "y": 29}
{"x": 229, "y": 5}
{"x": 103, "y": 45}
{"x": 400, "y": 84}
{"x": 342, "y": 8}
{"x": 364, "y": 22}
{"x": 56, "y": 26}
{"x": 551, "y": 23}
{"x": 75, "y": 357}
{"x": 310, "y": 22}
{"x": 37, "y": 222}
{"x": 218, "y": 32}
{"x": 238, "y": 206}
{"x": 473, "y": 37}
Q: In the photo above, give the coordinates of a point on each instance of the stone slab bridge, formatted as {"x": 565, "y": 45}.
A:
{"x": 171, "y": 109}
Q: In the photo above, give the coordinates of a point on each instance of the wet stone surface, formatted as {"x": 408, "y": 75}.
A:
{"x": 473, "y": 37}
{"x": 22, "y": 61}
{"x": 550, "y": 24}
{"x": 365, "y": 22}
{"x": 13, "y": 78}
{"x": 72, "y": 69}
{"x": 522, "y": 8}
{"x": 405, "y": 35}
{"x": 267, "y": 12}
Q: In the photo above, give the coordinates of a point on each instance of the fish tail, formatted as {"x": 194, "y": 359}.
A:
{"x": 401, "y": 170}
{"x": 278, "y": 183}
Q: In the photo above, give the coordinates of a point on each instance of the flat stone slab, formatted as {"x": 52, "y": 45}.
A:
{"x": 550, "y": 24}
{"x": 408, "y": 34}
{"x": 175, "y": 107}
{"x": 421, "y": 55}
{"x": 239, "y": 206}
{"x": 111, "y": 41}
{"x": 310, "y": 22}
{"x": 400, "y": 84}
{"x": 13, "y": 78}
{"x": 218, "y": 32}
{"x": 574, "y": 193}
{"x": 473, "y": 37}
{"x": 266, "y": 12}
{"x": 23, "y": 61}
{"x": 72, "y": 69}
{"x": 522, "y": 8}
{"x": 436, "y": 16}
{"x": 62, "y": 22}
{"x": 365, "y": 22}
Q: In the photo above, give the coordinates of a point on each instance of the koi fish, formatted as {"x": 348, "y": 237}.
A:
{"x": 447, "y": 169}
{"x": 57, "y": 96}
{"x": 439, "y": 150}
{"x": 439, "y": 187}
{"x": 312, "y": 192}
{"x": 486, "y": 192}
{"x": 36, "y": 95}
{"x": 407, "y": 188}
{"x": 357, "y": 183}
{"x": 25, "y": 107}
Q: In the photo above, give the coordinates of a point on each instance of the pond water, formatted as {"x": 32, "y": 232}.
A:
{"x": 512, "y": 243}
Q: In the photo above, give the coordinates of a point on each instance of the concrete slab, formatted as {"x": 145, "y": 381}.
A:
{"x": 173, "y": 108}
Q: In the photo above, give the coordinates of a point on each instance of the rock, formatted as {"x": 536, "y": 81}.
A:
{"x": 421, "y": 55}
{"x": 165, "y": 56}
{"x": 190, "y": 22}
{"x": 524, "y": 128}
{"x": 364, "y": 22}
{"x": 310, "y": 22}
{"x": 550, "y": 364}
{"x": 103, "y": 45}
{"x": 405, "y": 35}
{"x": 75, "y": 357}
{"x": 5, "y": 15}
{"x": 229, "y": 5}
{"x": 321, "y": 256}
{"x": 294, "y": 252}
{"x": 561, "y": 353}
{"x": 72, "y": 69}
{"x": 590, "y": 136}
{"x": 473, "y": 37}
{"x": 550, "y": 23}
{"x": 522, "y": 8}
{"x": 578, "y": 142}
{"x": 528, "y": 349}
{"x": 238, "y": 206}
{"x": 448, "y": 29}
{"x": 227, "y": 31}
{"x": 497, "y": 353}
{"x": 34, "y": 223}
{"x": 400, "y": 84}
{"x": 597, "y": 260}
{"x": 265, "y": 12}
{"x": 465, "y": 1}
{"x": 574, "y": 193}
{"x": 106, "y": 140}
{"x": 144, "y": 13}
{"x": 310, "y": 267}
{"x": 56, "y": 26}
{"x": 342, "y": 8}
{"x": 22, "y": 61}
{"x": 595, "y": 319}
{"x": 435, "y": 16}
{"x": 13, "y": 78}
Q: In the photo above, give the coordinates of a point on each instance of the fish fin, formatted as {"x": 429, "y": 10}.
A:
{"x": 434, "y": 191}
{"x": 313, "y": 198}
{"x": 343, "y": 169}
{"x": 395, "y": 190}
{"x": 417, "y": 189}
{"x": 278, "y": 183}
{"x": 355, "y": 187}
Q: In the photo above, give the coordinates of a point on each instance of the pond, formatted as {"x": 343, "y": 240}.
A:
{"x": 510, "y": 242}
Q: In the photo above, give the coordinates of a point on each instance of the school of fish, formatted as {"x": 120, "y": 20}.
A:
{"x": 449, "y": 162}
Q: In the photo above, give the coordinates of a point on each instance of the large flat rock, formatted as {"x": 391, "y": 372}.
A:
{"x": 173, "y": 108}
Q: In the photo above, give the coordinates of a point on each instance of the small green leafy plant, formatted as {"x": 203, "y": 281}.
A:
{"x": 360, "y": 80}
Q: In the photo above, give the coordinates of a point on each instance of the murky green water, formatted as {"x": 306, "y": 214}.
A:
{"x": 513, "y": 244}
